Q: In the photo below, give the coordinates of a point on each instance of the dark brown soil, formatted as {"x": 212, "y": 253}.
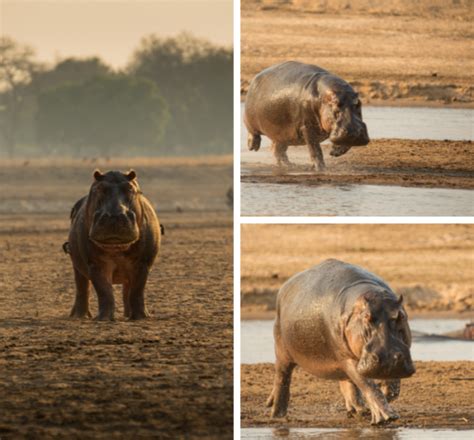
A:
{"x": 420, "y": 163}
{"x": 169, "y": 376}
{"x": 439, "y": 395}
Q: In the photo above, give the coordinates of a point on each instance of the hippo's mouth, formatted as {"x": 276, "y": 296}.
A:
{"x": 114, "y": 244}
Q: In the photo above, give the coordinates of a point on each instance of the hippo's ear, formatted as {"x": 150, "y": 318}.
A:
{"x": 330, "y": 97}
{"x": 400, "y": 300}
{"x": 131, "y": 175}
{"x": 98, "y": 175}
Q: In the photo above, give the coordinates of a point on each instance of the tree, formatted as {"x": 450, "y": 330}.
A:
{"x": 112, "y": 113}
{"x": 16, "y": 69}
{"x": 196, "y": 79}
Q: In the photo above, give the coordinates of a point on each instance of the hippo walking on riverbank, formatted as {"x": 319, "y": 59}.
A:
{"x": 340, "y": 322}
{"x": 114, "y": 239}
{"x": 301, "y": 104}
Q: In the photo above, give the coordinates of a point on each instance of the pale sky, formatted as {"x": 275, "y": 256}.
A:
{"x": 110, "y": 29}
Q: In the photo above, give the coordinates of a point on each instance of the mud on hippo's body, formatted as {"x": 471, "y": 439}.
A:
{"x": 114, "y": 239}
{"x": 301, "y": 104}
{"x": 338, "y": 321}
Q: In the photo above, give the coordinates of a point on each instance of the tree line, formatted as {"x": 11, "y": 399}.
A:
{"x": 173, "y": 98}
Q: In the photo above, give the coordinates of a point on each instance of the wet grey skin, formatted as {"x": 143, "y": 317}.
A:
{"x": 114, "y": 238}
{"x": 337, "y": 321}
{"x": 301, "y": 104}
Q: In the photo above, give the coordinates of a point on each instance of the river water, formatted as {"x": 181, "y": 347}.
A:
{"x": 371, "y": 200}
{"x": 354, "y": 434}
{"x": 257, "y": 341}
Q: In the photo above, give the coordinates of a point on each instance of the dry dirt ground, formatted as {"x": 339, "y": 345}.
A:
{"x": 169, "y": 376}
{"x": 397, "y": 52}
{"x": 424, "y": 163}
{"x": 432, "y": 265}
{"x": 318, "y": 403}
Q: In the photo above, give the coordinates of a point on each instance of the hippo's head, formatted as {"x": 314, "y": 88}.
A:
{"x": 378, "y": 335}
{"x": 114, "y": 209}
{"x": 340, "y": 114}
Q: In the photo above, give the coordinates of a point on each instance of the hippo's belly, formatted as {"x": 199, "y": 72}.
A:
{"x": 310, "y": 347}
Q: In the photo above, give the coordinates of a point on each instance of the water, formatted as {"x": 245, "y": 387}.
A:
{"x": 353, "y": 200}
{"x": 354, "y": 434}
{"x": 369, "y": 200}
{"x": 407, "y": 123}
{"x": 257, "y": 341}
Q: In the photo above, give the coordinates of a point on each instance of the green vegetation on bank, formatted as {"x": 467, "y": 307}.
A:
{"x": 173, "y": 98}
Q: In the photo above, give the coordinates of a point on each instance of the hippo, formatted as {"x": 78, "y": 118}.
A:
{"x": 114, "y": 239}
{"x": 294, "y": 103}
{"x": 339, "y": 322}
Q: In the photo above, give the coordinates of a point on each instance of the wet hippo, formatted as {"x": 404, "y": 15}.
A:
{"x": 114, "y": 239}
{"x": 300, "y": 104}
{"x": 340, "y": 322}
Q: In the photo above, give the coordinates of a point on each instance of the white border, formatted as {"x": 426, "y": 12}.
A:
{"x": 236, "y": 293}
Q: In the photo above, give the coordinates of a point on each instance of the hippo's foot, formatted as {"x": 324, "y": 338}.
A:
{"x": 138, "y": 314}
{"x": 383, "y": 415}
{"x": 80, "y": 313}
{"x": 317, "y": 168}
{"x": 105, "y": 316}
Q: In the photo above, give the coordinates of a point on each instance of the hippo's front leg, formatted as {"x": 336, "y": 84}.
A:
{"x": 137, "y": 294}
{"x": 352, "y": 397}
{"x": 390, "y": 389}
{"x": 374, "y": 398}
{"x": 311, "y": 137}
{"x": 81, "y": 303}
{"x": 105, "y": 294}
{"x": 279, "y": 151}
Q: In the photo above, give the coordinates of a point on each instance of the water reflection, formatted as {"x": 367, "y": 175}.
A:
{"x": 354, "y": 434}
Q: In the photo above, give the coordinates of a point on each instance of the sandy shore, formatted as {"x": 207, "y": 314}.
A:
{"x": 393, "y": 52}
{"x": 162, "y": 377}
{"x": 420, "y": 163}
{"x": 430, "y": 264}
{"x": 439, "y": 395}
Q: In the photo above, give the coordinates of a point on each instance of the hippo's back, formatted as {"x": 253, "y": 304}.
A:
{"x": 275, "y": 96}
{"x": 310, "y": 306}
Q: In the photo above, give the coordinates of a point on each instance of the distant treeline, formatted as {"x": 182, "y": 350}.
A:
{"x": 173, "y": 98}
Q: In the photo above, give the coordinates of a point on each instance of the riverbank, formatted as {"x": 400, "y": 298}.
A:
{"x": 401, "y": 162}
{"x": 431, "y": 265}
{"x": 395, "y": 53}
{"x": 439, "y": 395}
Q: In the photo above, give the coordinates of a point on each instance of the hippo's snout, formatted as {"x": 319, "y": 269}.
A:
{"x": 386, "y": 365}
{"x": 114, "y": 226}
{"x": 354, "y": 136}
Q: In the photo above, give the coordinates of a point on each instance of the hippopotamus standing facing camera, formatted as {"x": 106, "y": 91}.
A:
{"x": 338, "y": 321}
{"x": 114, "y": 239}
{"x": 300, "y": 104}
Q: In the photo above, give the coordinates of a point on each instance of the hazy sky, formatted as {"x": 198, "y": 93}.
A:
{"x": 109, "y": 28}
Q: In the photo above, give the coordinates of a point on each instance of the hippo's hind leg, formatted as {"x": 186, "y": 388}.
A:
{"x": 280, "y": 395}
{"x": 352, "y": 396}
{"x": 138, "y": 308}
{"x": 279, "y": 151}
{"x": 254, "y": 141}
{"x": 81, "y": 303}
{"x": 105, "y": 294}
{"x": 390, "y": 389}
{"x": 126, "y": 300}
